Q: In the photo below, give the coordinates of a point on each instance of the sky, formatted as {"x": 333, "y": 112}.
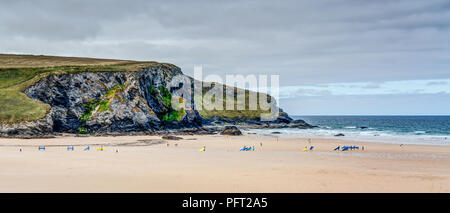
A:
{"x": 340, "y": 57}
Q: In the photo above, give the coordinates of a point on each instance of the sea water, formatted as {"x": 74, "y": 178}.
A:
{"x": 434, "y": 130}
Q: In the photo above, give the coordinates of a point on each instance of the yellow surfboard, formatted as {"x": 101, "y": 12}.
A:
{"x": 202, "y": 149}
{"x": 100, "y": 149}
{"x": 304, "y": 149}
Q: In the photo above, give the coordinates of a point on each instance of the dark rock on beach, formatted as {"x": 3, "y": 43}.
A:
{"x": 231, "y": 130}
{"x": 339, "y": 135}
{"x": 171, "y": 137}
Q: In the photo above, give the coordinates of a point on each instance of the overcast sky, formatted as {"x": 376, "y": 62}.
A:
{"x": 333, "y": 56}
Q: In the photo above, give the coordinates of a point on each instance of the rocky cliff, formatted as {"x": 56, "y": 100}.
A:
{"x": 100, "y": 102}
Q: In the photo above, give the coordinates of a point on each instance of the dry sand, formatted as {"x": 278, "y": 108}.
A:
{"x": 153, "y": 166}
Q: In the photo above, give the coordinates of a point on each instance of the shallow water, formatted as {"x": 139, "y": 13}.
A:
{"x": 434, "y": 130}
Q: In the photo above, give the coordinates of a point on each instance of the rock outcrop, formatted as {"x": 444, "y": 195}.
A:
{"x": 283, "y": 118}
{"x": 231, "y": 130}
{"x": 112, "y": 102}
{"x": 42, "y": 126}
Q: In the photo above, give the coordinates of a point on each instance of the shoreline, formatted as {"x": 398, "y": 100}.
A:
{"x": 150, "y": 164}
{"x": 441, "y": 140}
{"x": 253, "y": 130}
{"x": 364, "y": 140}
{"x": 245, "y": 133}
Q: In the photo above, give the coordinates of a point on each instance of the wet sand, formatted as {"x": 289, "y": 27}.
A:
{"x": 150, "y": 164}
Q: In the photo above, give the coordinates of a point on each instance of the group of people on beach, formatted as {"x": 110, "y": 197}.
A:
{"x": 346, "y": 148}
{"x": 244, "y": 148}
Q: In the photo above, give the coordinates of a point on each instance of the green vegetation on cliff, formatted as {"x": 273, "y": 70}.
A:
{"x": 172, "y": 113}
{"x": 100, "y": 105}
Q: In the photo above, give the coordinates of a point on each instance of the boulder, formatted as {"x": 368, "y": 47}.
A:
{"x": 299, "y": 121}
{"x": 231, "y": 130}
{"x": 301, "y": 124}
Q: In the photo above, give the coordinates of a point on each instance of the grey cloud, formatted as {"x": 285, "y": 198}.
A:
{"x": 62, "y": 20}
{"x": 306, "y": 42}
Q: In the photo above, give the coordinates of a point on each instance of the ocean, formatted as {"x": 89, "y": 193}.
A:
{"x": 434, "y": 130}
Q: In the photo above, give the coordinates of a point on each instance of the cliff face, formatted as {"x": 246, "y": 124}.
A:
{"x": 111, "y": 101}
{"x": 97, "y": 102}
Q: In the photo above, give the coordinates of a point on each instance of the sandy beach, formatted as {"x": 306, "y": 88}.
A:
{"x": 150, "y": 164}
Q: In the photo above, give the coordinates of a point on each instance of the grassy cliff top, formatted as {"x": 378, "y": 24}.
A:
{"x": 18, "y": 72}
{"x": 34, "y": 61}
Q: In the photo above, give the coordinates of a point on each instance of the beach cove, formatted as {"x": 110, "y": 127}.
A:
{"x": 151, "y": 164}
